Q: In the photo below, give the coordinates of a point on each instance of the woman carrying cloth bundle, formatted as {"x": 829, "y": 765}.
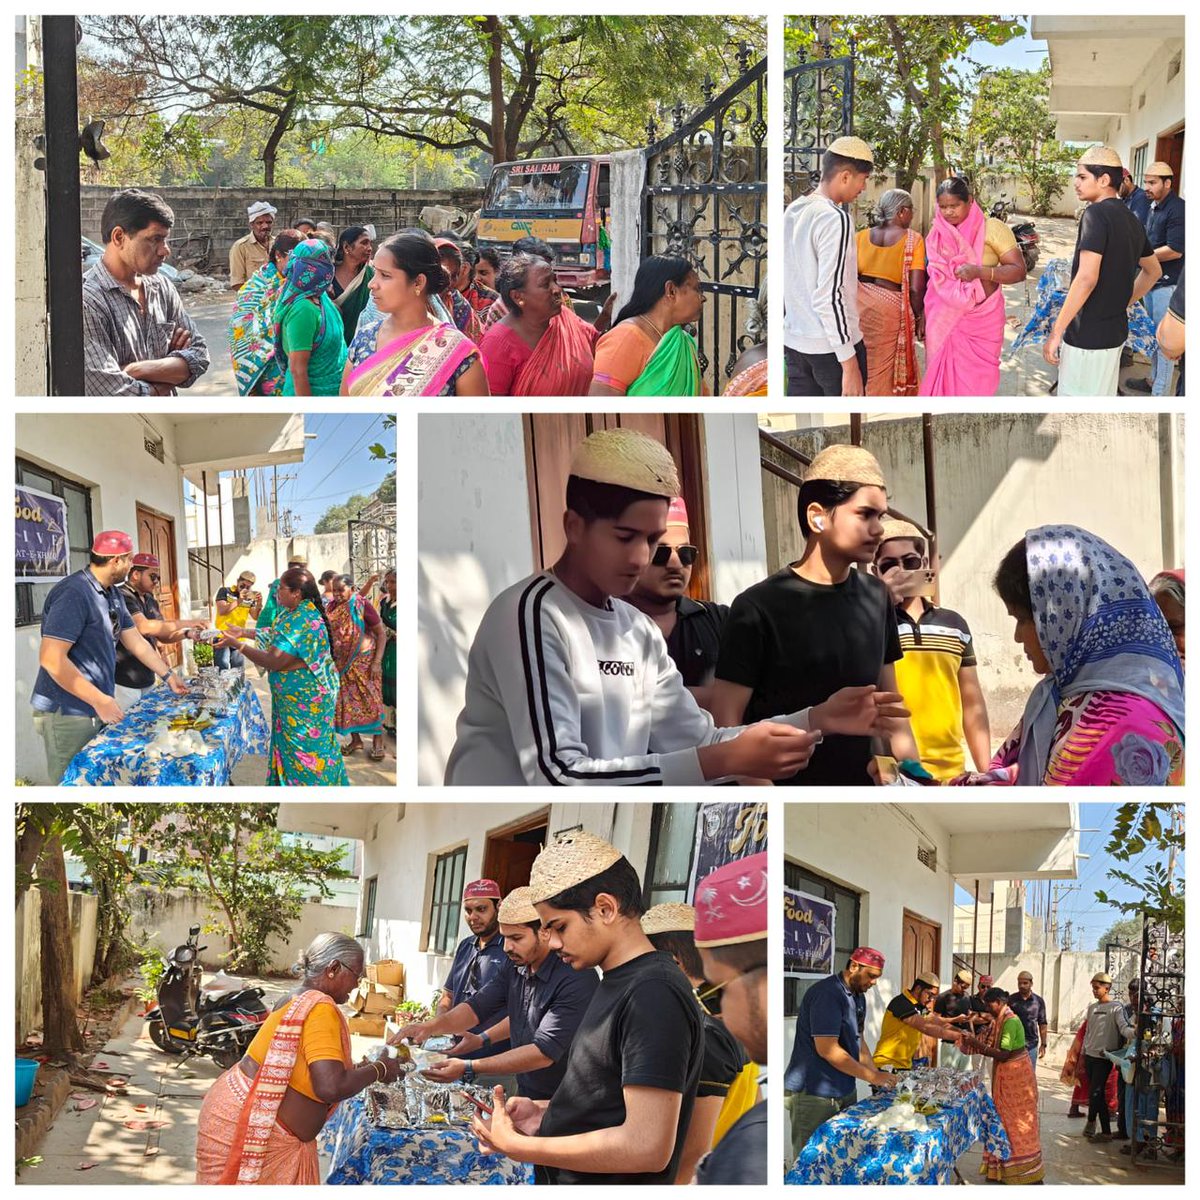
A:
{"x": 351, "y": 277}
{"x": 406, "y": 351}
{"x": 891, "y": 296}
{"x": 308, "y": 326}
{"x": 257, "y": 369}
{"x": 295, "y": 653}
{"x": 539, "y": 347}
{"x": 648, "y": 352}
{"x": 1014, "y": 1092}
{"x": 259, "y": 1122}
{"x": 969, "y": 257}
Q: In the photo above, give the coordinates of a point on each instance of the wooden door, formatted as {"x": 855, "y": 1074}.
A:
{"x": 922, "y": 952}
{"x": 550, "y": 440}
{"x": 156, "y": 535}
{"x": 509, "y": 851}
{"x": 1169, "y": 149}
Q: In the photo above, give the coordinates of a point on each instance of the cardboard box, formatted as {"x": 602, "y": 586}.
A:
{"x": 370, "y": 998}
{"x": 386, "y": 971}
{"x": 372, "y": 1026}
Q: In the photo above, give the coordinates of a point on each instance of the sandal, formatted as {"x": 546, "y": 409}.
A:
{"x": 351, "y": 748}
{"x": 377, "y": 753}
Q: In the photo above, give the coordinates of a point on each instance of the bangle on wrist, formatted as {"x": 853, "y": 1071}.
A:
{"x": 485, "y": 1040}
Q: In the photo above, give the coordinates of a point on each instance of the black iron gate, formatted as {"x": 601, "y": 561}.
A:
{"x": 704, "y": 199}
{"x": 372, "y": 548}
{"x": 819, "y": 98}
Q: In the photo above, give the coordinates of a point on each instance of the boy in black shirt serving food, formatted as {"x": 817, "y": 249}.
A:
{"x": 621, "y": 1112}
{"x": 819, "y": 625}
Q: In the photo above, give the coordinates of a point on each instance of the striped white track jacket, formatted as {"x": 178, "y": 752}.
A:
{"x": 560, "y": 692}
{"x": 820, "y": 280}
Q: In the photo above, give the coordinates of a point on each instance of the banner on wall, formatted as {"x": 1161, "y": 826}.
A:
{"x": 808, "y": 924}
{"x": 42, "y": 554}
{"x": 726, "y": 831}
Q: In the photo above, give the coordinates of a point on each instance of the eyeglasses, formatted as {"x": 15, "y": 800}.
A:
{"x": 662, "y": 555}
{"x": 910, "y": 562}
{"x": 715, "y": 989}
{"x": 155, "y": 578}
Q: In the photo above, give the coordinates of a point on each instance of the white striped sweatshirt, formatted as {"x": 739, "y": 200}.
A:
{"x": 820, "y": 278}
{"x": 560, "y": 692}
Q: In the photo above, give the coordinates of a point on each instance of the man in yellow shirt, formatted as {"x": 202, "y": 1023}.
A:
{"x": 235, "y": 606}
{"x": 906, "y": 1019}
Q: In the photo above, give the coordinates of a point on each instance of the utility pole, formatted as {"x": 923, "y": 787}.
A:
{"x": 1176, "y": 815}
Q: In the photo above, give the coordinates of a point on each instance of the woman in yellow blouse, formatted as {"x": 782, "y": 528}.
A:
{"x": 891, "y": 296}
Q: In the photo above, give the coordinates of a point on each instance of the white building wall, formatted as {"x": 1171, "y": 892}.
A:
{"x": 402, "y": 845}
{"x": 735, "y": 505}
{"x": 1162, "y": 113}
{"x": 872, "y": 849}
{"x": 104, "y": 451}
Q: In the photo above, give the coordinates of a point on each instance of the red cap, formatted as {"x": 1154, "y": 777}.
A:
{"x": 482, "y": 889}
{"x": 731, "y": 904}
{"x": 677, "y": 513}
{"x": 112, "y": 542}
{"x": 145, "y": 560}
{"x": 866, "y": 957}
{"x": 986, "y": 981}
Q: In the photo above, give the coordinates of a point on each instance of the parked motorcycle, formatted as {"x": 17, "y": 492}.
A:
{"x": 1025, "y": 232}
{"x": 190, "y": 1020}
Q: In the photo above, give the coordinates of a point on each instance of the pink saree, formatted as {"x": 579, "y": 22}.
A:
{"x": 420, "y": 363}
{"x": 964, "y": 330}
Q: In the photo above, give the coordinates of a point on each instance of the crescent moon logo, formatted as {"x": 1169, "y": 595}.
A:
{"x": 758, "y": 896}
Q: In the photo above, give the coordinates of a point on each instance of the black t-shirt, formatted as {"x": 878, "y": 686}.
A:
{"x": 723, "y": 1058}
{"x": 949, "y": 1005}
{"x": 1176, "y": 305}
{"x": 643, "y": 1028}
{"x": 1109, "y": 229}
{"x": 795, "y": 643}
{"x": 130, "y": 672}
{"x": 741, "y": 1155}
{"x": 696, "y": 639}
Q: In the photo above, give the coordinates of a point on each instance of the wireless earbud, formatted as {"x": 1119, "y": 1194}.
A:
{"x": 819, "y": 525}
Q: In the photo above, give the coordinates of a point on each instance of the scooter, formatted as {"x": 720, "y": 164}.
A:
{"x": 190, "y": 1021}
{"x": 1025, "y": 232}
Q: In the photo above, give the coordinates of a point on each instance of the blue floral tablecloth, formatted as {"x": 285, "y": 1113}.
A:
{"x": 843, "y": 1150}
{"x": 1052, "y": 290}
{"x": 363, "y": 1153}
{"x": 116, "y": 754}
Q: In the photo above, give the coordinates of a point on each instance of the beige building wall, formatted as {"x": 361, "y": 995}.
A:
{"x": 1119, "y": 475}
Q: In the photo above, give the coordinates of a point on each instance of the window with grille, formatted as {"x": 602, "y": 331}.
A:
{"x": 448, "y": 878}
{"x": 32, "y": 596}
{"x": 672, "y": 845}
{"x": 845, "y": 926}
{"x": 368, "y": 921}
{"x": 1138, "y": 169}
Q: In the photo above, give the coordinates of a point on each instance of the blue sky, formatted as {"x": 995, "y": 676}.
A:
{"x": 1021, "y": 53}
{"x": 336, "y": 464}
{"x": 1088, "y": 916}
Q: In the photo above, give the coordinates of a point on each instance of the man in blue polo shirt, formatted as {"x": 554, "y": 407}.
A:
{"x": 83, "y": 620}
{"x": 828, "y": 1054}
{"x": 537, "y": 1009}
{"x": 479, "y": 957}
{"x": 1165, "y": 233}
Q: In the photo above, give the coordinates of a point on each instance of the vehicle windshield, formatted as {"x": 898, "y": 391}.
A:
{"x": 539, "y": 185}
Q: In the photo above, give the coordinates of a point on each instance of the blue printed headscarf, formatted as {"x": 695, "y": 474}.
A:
{"x": 1100, "y": 631}
{"x": 309, "y": 272}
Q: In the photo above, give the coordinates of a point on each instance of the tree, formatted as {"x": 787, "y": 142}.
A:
{"x": 334, "y": 519}
{"x": 1138, "y": 828}
{"x": 234, "y": 855}
{"x": 287, "y": 69}
{"x": 1127, "y": 931}
{"x": 1012, "y": 123}
{"x": 914, "y": 77}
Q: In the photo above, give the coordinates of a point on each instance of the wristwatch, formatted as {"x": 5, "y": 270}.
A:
{"x": 469, "y": 1073}
{"x": 169, "y": 673}
{"x": 487, "y": 1041}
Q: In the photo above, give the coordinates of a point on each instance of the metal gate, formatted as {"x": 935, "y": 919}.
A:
{"x": 1121, "y": 961}
{"x": 372, "y": 548}
{"x": 704, "y": 199}
{"x": 819, "y": 98}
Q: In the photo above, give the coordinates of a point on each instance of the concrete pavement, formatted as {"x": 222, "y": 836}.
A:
{"x": 212, "y": 317}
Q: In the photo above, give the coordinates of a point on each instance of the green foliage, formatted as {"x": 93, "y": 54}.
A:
{"x": 152, "y": 968}
{"x": 379, "y": 451}
{"x": 1011, "y": 122}
{"x": 1138, "y": 828}
{"x": 914, "y": 79}
{"x": 411, "y": 1011}
{"x": 1127, "y": 931}
{"x": 202, "y": 653}
{"x": 255, "y": 881}
{"x": 334, "y": 519}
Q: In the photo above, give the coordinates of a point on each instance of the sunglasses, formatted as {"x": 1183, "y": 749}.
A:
{"x": 715, "y": 989}
{"x": 910, "y": 562}
{"x": 662, "y": 555}
{"x": 155, "y": 578}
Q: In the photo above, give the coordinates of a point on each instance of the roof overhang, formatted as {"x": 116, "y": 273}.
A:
{"x": 332, "y": 819}
{"x": 206, "y": 443}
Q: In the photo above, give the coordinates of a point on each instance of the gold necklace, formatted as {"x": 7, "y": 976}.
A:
{"x": 659, "y": 332}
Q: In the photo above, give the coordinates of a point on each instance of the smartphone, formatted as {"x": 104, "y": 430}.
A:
{"x": 486, "y": 1109}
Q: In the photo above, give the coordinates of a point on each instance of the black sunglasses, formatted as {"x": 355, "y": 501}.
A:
{"x": 910, "y": 562}
{"x": 662, "y": 555}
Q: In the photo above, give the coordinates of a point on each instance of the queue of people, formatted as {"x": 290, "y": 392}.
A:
{"x": 839, "y": 669}
{"x": 102, "y": 627}
{"x": 611, "y": 1061}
